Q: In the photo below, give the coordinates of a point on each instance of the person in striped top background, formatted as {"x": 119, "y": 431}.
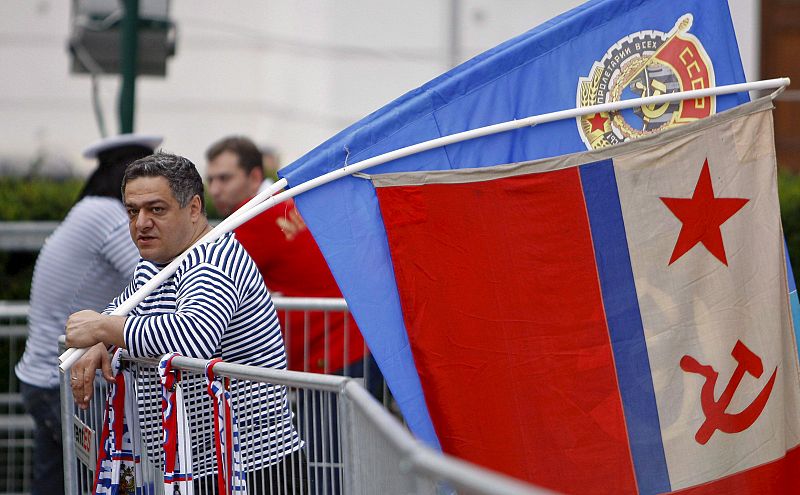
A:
{"x": 84, "y": 262}
{"x": 215, "y": 305}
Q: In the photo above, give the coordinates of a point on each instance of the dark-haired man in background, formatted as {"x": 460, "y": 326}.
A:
{"x": 289, "y": 260}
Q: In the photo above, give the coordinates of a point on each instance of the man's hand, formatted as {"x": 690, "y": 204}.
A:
{"x": 87, "y": 328}
{"x": 83, "y": 371}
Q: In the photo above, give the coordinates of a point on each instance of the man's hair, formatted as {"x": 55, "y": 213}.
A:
{"x": 181, "y": 174}
{"x": 248, "y": 153}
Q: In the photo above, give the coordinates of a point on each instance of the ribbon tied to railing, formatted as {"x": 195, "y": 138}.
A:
{"x": 177, "y": 446}
{"x": 230, "y": 474}
{"x": 119, "y": 470}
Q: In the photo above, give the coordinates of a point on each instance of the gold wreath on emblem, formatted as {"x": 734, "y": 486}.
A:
{"x": 590, "y": 88}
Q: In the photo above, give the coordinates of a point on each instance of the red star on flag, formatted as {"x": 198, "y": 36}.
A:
{"x": 598, "y": 123}
{"x": 702, "y": 215}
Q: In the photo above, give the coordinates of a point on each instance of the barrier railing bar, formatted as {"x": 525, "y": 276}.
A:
{"x": 309, "y": 303}
{"x": 14, "y": 309}
{"x": 328, "y": 383}
{"x": 425, "y": 459}
{"x": 68, "y": 435}
{"x": 20, "y": 309}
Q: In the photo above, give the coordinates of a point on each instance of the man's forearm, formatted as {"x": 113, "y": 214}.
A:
{"x": 111, "y": 331}
{"x": 87, "y": 328}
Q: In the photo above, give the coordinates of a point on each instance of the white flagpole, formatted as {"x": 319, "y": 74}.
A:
{"x": 264, "y": 200}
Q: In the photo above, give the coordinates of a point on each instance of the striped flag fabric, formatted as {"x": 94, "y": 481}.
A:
{"x": 615, "y": 320}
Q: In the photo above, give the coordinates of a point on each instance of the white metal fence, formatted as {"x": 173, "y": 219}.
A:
{"x": 351, "y": 444}
{"x": 16, "y": 427}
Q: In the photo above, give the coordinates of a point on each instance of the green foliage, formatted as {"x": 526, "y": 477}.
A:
{"x": 30, "y": 198}
{"x": 212, "y": 212}
{"x": 37, "y": 198}
{"x": 789, "y": 194}
{"x": 16, "y": 272}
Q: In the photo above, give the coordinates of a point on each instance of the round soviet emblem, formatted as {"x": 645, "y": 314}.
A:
{"x": 645, "y": 63}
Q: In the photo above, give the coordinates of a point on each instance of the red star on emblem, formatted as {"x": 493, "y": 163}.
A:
{"x": 598, "y": 123}
{"x": 702, "y": 215}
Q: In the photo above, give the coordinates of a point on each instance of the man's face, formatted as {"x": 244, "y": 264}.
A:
{"x": 159, "y": 227}
{"x": 228, "y": 184}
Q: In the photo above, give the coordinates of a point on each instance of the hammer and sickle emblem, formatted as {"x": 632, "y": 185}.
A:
{"x": 652, "y": 111}
{"x": 714, "y": 410}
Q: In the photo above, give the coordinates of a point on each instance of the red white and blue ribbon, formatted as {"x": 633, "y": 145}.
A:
{"x": 119, "y": 470}
{"x": 230, "y": 475}
{"x": 176, "y": 444}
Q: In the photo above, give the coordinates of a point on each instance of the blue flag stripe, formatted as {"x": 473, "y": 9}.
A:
{"x": 625, "y": 326}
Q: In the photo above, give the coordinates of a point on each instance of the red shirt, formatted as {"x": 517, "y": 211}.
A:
{"x": 292, "y": 264}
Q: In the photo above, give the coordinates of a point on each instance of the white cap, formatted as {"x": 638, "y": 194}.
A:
{"x": 147, "y": 140}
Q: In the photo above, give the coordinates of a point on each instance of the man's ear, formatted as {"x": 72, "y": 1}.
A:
{"x": 195, "y": 208}
{"x": 256, "y": 175}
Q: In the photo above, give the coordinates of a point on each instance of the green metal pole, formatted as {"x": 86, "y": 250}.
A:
{"x": 129, "y": 48}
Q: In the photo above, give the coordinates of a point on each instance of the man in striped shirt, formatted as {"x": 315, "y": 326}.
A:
{"x": 215, "y": 305}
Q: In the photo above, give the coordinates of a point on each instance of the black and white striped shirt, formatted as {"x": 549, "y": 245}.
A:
{"x": 84, "y": 263}
{"x": 215, "y": 305}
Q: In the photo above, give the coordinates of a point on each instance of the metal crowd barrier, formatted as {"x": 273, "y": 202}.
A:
{"x": 352, "y": 445}
{"x": 325, "y": 308}
{"x": 16, "y": 427}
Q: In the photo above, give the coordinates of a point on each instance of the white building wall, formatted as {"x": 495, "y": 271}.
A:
{"x": 746, "y": 15}
{"x": 290, "y": 74}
